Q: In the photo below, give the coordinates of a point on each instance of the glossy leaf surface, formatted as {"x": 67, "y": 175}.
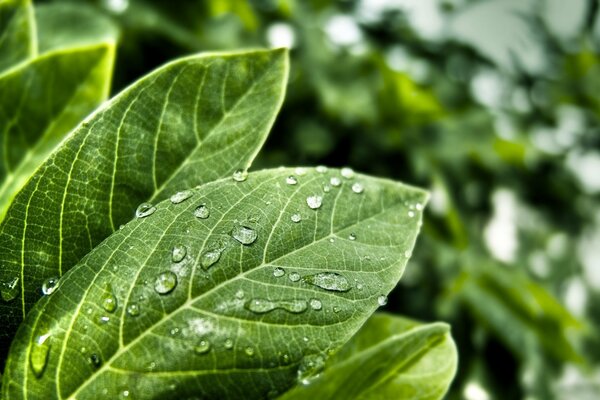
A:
{"x": 17, "y": 32}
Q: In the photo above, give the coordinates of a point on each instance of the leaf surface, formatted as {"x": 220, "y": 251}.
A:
{"x": 17, "y": 32}
{"x": 389, "y": 358}
{"x": 222, "y": 295}
{"x": 192, "y": 121}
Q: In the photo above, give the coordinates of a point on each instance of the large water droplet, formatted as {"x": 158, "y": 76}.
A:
{"x": 321, "y": 169}
{"x": 38, "y": 356}
{"x": 240, "y": 175}
{"x": 178, "y": 254}
{"x": 9, "y": 289}
{"x": 244, "y": 234}
{"x": 210, "y": 258}
{"x": 382, "y": 300}
{"x": 202, "y": 347}
{"x": 202, "y": 211}
{"x": 314, "y": 201}
{"x": 316, "y": 304}
{"x": 109, "y": 301}
{"x": 347, "y": 173}
{"x": 49, "y": 286}
{"x": 261, "y": 306}
{"x": 278, "y": 272}
{"x": 144, "y": 210}
{"x": 335, "y": 181}
{"x": 165, "y": 282}
{"x": 357, "y": 188}
{"x": 296, "y": 218}
{"x": 329, "y": 281}
{"x": 182, "y": 196}
{"x": 133, "y": 309}
{"x": 291, "y": 180}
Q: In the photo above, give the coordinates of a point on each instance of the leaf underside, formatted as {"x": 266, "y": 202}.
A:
{"x": 240, "y": 325}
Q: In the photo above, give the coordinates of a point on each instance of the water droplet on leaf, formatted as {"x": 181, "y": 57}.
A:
{"x": 240, "y": 294}
{"x": 210, "y": 258}
{"x": 291, "y": 180}
{"x": 316, "y": 304}
{"x": 95, "y": 360}
{"x": 357, "y": 188}
{"x": 382, "y": 300}
{"x": 321, "y": 169}
{"x": 352, "y": 236}
{"x": 202, "y": 211}
{"x": 329, "y": 281}
{"x": 165, "y": 282}
{"x": 294, "y": 277}
{"x": 314, "y": 201}
{"x": 296, "y": 218}
{"x": 278, "y": 272}
{"x": 244, "y": 234}
{"x": 240, "y": 175}
{"x": 133, "y": 310}
{"x": 38, "y": 356}
{"x": 109, "y": 301}
{"x": 178, "y": 254}
{"x": 262, "y": 306}
{"x": 249, "y": 351}
{"x": 144, "y": 210}
{"x": 228, "y": 344}
{"x": 9, "y": 289}
{"x": 49, "y": 286}
{"x": 182, "y": 196}
{"x": 347, "y": 173}
{"x": 335, "y": 181}
{"x": 326, "y": 188}
{"x": 202, "y": 347}
{"x": 300, "y": 171}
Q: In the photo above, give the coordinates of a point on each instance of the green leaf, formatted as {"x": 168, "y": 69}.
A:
{"x": 192, "y": 121}
{"x": 221, "y": 295}
{"x": 389, "y": 358}
{"x": 17, "y": 32}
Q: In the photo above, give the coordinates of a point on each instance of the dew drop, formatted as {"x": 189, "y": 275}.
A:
{"x": 249, "y": 351}
{"x": 331, "y": 240}
{"x": 347, "y": 172}
{"x": 104, "y": 319}
{"x": 360, "y": 286}
{"x": 210, "y": 258}
{"x": 202, "y": 347}
{"x": 336, "y": 309}
{"x": 9, "y": 289}
{"x": 321, "y": 169}
{"x": 300, "y": 171}
{"x": 240, "y": 175}
{"x": 165, "y": 282}
{"x": 326, "y": 188}
{"x": 49, "y": 286}
{"x": 38, "y": 356}
{"x": 133, "y": 309}
{"x": 407, "y": 253}
{"x": 228, "y": 344}
{"x": 316, "y": 304}
{"x": 310, "y": 367}
{"x": 419, "y": 206}
{"x": 357, "y": 188}
{"x": 352, "y": 236}
{"x": 262, "y": 306}
{"x": 178, "y": 254}
{"x": 314, "y": 201}
{"x": 144, "y": 210}
{"x": 240, "y": 294}
{"x": 291, "y": 180}
{"x": 411, "y": 214}
{"x": 296, "y": 218}
{"x": 202, "y": 211}
{"x": 278, "y": 272}
{"x": 244, "y": 234}
{"x": 335, "y": 181}
{"x": 109, "y": 301}
{"x": 294, "y": 277}
{"x": 382, "y": 300}
{"x": 182, "y": 196}
{"x": 329, "y": 281}
{"x": 95, "y": 360}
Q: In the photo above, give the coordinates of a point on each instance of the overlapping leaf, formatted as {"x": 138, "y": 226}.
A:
{"x": 17, "y": 32}
{"x": 227, "y": 291}
{"x": 192, "y": 121}
{"x": 389, "y": 358}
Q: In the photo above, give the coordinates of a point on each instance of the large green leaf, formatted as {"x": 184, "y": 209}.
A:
{"x": 218, "y": 293}
{"x": 17, "y": 32}
{"x": 192, "y": 121}
{"x": 389, "y": 358}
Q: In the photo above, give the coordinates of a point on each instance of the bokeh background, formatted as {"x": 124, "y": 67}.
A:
{"x": 492, "y": 105}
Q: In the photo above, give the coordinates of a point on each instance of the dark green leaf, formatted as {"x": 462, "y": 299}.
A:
{"x": 17, "y": 32}
{"x": 221, "y": 295}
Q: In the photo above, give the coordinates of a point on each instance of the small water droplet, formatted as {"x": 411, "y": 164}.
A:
{"x": 249, "y": 351}
{"x": 240, "y": 175}
{"x": 95, "y": 360}
{"x": 125, "y": 393}
{"x": 360, "y": 286}
{"x": 240, "y": 294}
{"x": 178, "y": 254}
{"x": 336, "y": 309}
{"x": 284, "y": 358}
{"x": 278, "y": 272}
{"x": 411, "y": 214}
{"x": 382, "y": 300}
{"x": 357, "y": 188}
{"x": 294, "y": 277}
{"x": 331, "y": 240}
{"x": 9, "y": 289}
{"x": 291, "y": 180}
{"x": 210, "y": 258}
{"x": 202, "y": 211}
{"x": 104, "y": 319}
{"x": 228, "y": 344}
{"x": 296, "y": 218}
{"x": 174, "y": 331}
{"x": 314, "y": 201}
{"x": 182, "y": 196}
{"x": 316, "y": 304}
{"x": 300, "y": 171}
{"x": 109, "y": 301}
{"x": 407, "y": 253}
{"x": 49, "y": 286}
{"x": 165, "y": 282}
{"x": 144, "y": 210}
{"x": 335, "y": 181}
{"x": 329, "y": 281}
{"x": 38, "y": 356}
{"x": 352, "y": 236}
{"x": 419, "y": 206}
{"x": 244, "y": 234}
{"x": 133, "y": 309}
{"x": 305, "y": 339}
{"x": 202, "y": 347}
{"x": 347, "y": 172}
{"x": 310, "y": 368}
{"x": 321, "y": 169}
{"x": 262, "y": 306}
{"x": 326, "y": 188}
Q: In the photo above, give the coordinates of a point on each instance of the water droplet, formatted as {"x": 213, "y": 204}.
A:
{"x": 109, "y": 301}
{"x": 178, "y": 253}
{"x": 133, "y": 309}
{"x": 181, "y": 196}
{"x": 411, "y": 214}
{"x": 382, "y": 300}
{"x": 95, "y": 360}
{"x": 202, "y": 211}
{"x": 347, "y": 173}
{"x": 240, "y": 294}
{"x": 284, "y": 358}
{"x": 49, "y": 286}
{"x": 329, "y": 281}
{"x": 240, "y": 175}
{"x": 314, "y": 201}
{"x": 210, "y": 258}
{"x": 291, "y": 180}
{"x": 316, "y": 304}
{"x": 38, "y": 356}
{"x": 357, "y": 188}
{"x": 278, "y": 272}
{"x": 321, "y": 169}
{"x": 296, "y": 218}
{"x": 294, "y": 277}
{"x": 310, "y": 367}
{"x": 144, "y": 210}
{"x": 165, "y": 282}
{"x": 174, "y": 331}
{"x": 407, "y": 253}
{"x": 352, "y": 236}
{"x": 125, "y": 393}
{"x": 335, "y": 181}
{"x": 228, "y": 344}
{"x": 104, "y": 319}
{"x": 9, "y": 289}
{"x": 249, "y": 351}
{"x": 300, "y": 171}
{"x": 202, "y": 347}
{"x": 331, "y": 240}
{"x": 419, "y": 206}
{"x": 244, "y": 234}
{"x": 261, "y": 306}
{"x": 326, "y": 188}
{"x": 336, "y": 309}
{"x": 360, "y": 286}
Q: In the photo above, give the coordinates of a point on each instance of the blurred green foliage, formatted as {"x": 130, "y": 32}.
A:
{"x": 494, "y": 105}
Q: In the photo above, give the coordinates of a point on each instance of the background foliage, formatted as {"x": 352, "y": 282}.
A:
{"x": 493, "y": 105}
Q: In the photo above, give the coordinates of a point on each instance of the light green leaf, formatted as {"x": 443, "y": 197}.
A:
{"x": 192, "y": 121}
{"x": 221, "y": 295}
{"x": 17, "y": 32}
{"x": 389, "y": 358}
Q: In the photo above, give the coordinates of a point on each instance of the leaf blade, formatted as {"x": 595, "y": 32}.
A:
{"x": 17, "y": 32}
